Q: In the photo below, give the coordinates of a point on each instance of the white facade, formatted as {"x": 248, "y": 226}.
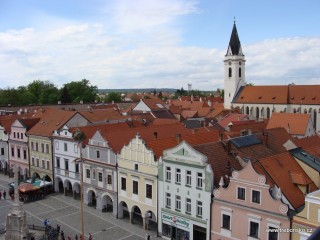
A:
{"x": 185, "y": 187}
{"x": 100, "y": 174}
{"x": 66, "y": 169}
{"x": 3, "y": 149}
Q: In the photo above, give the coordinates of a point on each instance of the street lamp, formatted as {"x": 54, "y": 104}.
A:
{"x": 79, "y": 137}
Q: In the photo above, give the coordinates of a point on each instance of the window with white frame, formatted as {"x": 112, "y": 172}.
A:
{"x": 58, "y": 162}
{"x": 149, "y": 191}
{"x": 199, "y": 209}
{"x": 100, "y": 176}
{"x": 168, "y": 174}
{"x": 47, "y": 148}
{"x": 21, "y": 135}
{"x": 38, "y": 163}
{"x": 136, "y": 167}
{"x": 188, "y": 205}
{"x": 178, "y": 203}
{"x": 2, "y": 151}
{"x": 135, "y": 188}
{"x": 93, "y": 174}
{"x": 12, "y": 152}
{"x": 76, "y": 167}
{"x": 24, "y": 154}
{"x": 98, "y": 154}
{"x": 48, "y": 165}
{"x": 32, "y": 161}
{"x": 199, "y": 180}
{"x": 255, "y": 196}
{"x": 123, "y": 184}
{"x": 88, "y": 173}
{"x": 168, "y": 200}
{"x": 254, "y": 229}
{"x": 18, "y": 152}
{"x": 273, "y": 233}
{"x": 42, "y": 147}
{"x": 65, "y": 147}
{"x": 109, "y": 179}
{"x": 241, "y": 193}
{"x": 43, "y": 164}
{"x": 37, "y": 147}
{"x": 32, "y": 146}
{"x": 226, "y": 220}
{"x": 188, "y": 178}
{"x": 66, "y": 164}
{"x": 178, "y": 175}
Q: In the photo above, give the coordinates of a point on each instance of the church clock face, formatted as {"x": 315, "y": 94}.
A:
{"x": 239, "y": 63}
{"x": 229, "y": 62}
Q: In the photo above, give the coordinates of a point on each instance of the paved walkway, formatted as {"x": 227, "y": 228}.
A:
{"x": 65, "y": 211}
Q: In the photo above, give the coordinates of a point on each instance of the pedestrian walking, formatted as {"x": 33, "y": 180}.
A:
{"x": 90, "y": 236}
{"x": 58, "y": 228}
{"x": 62, "y": 235}
{"x": 76, "y": 237}
{"x": 4, "y": 194}
{"x": 69, "y": 238}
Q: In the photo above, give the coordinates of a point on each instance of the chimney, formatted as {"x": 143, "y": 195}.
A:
{"x": 266, "y": 138}
{"x": 178, "y": 137}
{"x": 155, "y": 135}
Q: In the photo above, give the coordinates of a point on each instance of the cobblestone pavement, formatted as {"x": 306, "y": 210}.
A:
{"x": 63, "y": 210}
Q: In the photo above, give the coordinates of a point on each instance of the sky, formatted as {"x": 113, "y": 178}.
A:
{"x": 157, "y": 43}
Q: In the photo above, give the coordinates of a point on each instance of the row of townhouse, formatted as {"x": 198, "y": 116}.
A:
{"x": 181, "y": 184}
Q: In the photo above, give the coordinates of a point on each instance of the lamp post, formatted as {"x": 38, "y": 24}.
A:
{"x": 79, "y": 137}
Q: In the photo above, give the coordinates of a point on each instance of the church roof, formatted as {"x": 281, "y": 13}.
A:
{"x": 234, "y": 44}
{"x": 280, "y": 94}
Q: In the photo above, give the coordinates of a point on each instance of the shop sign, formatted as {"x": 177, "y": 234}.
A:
{"x": 175, "y": 220}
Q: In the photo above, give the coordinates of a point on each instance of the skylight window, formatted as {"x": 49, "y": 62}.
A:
{"x": 159, "y": 105}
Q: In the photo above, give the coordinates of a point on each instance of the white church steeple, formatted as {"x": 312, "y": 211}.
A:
{"x": 234, "y": 68}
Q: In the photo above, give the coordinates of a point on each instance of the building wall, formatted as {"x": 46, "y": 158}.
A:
{"x": 137, "y": 163}
{"x": 312, "y": 173}
{"x": 3, "y": 145}
{"x": 268, "y": 213}
{"x": 41, "y": 155}
{"x": 308, "y": 220}
{"x": 185, "y": 158}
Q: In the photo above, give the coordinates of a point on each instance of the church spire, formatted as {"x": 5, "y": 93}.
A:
{"x": 234, "y": 43}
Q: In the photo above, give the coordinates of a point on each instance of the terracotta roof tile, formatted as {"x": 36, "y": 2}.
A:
{"x": 289, "y": 94}
{"x": 196, "y": 138}
{"x": 161, "y": 121}
{"x": 307, "y": 141}
{"x": 101, "y": 115}
{"x": 189, "y": 114}
{"x": 300, "y": 178}
{"x": 232, "y": 117}
{"x": 280, "y": 168}
{"x": 51, "y": 121}
{"x": 221, "y": 161}
{"x": 294, "y": 123}
{"x": 154, "y": 103}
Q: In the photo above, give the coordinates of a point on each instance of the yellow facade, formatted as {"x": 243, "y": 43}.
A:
{"x": 308, "y": 220}
{"x": 137, "y": 164}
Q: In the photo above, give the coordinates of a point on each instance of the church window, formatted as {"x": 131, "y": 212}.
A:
{"x": 257, "y": 112}
{"x": 230, "y": 72}
{"x": 239, "y": 72}
{"x": 247, "y": 110}
{"x": 268, "y": 112}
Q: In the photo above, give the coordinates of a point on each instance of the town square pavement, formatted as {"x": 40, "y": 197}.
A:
{"x": 65, "y": 211}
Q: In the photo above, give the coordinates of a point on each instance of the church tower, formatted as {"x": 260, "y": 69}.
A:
{"x": 234, "y": 68}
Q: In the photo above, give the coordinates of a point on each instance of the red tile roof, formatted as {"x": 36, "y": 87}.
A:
{"x": 280, "y": 169}
{"x": 50, "y": 121}
{"x": 161, "y": 121}
{"x": 117, "y": 139}
{"x": 196, "y": 138}
{"x": 154, "y": 103}
{"x": 294, "y": 123}
{"x": 224, "y": 122}
{"x": 221, "y": 161}
{"x": 101, "y": 115}
{"x": 307, "y": 141}
{"x": 289, "y": 94}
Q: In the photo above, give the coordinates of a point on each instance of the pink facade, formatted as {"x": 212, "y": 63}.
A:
{"x": 18, "y": 148}
{"x": 247, "y": 210}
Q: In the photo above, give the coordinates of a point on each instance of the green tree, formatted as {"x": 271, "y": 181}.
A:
{"x": 113, "y": 96}
{"x": 82, "y": 90}
{"x": 43, "y": 92}
{"x": 64, "y": 95}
